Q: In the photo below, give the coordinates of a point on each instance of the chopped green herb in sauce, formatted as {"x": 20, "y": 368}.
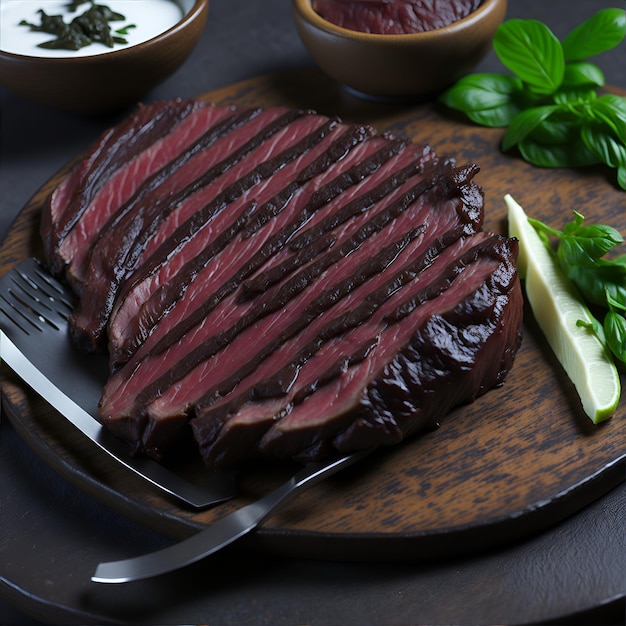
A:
{"x": 92, "y": 26}
{"x": 125, "y": 29}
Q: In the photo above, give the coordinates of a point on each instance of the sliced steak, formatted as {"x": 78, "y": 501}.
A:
{"x": 157, "y": 286}
{"x": 377, "y": 380}
{"x": 263, "y": 152}
{"x": 153, "y": 395}
{"x": 279, "y": 283}
{"x": 217, "y": 277}
{"x": 115, "y": 167}
{"x": 425, "y": 358}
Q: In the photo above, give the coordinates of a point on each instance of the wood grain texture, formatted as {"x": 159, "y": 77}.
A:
{"x": 517, "y": 460}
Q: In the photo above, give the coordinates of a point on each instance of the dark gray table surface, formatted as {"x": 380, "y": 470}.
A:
{"x": 571, "y": 574}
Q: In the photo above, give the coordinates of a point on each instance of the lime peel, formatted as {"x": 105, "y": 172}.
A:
{"x": 557, "y": 306}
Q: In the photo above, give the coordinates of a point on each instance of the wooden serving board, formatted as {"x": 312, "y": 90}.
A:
{"x": 519, "y": 459}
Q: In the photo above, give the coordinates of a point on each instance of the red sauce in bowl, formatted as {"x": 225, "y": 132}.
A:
{"x": 394, "y": 17}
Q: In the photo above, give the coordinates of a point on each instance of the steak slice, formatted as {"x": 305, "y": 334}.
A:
{"x": 114, "y": 168}
{"x": 369, "y": 377}
{"x": 161, "y": 163}
{"x": 279, "y": 283}
{"x": 233, "y": 176}
{"x": 153, "y": 293}
{"x": 150, "y": 399}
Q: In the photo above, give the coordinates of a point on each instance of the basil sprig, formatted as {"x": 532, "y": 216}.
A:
{"x": 581, "y": 253}
{"x": 551, "y": 104}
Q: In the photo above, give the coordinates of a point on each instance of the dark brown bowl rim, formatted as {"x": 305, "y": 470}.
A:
{"x": 198, "y": 7}
{"x": 308, "y": 14}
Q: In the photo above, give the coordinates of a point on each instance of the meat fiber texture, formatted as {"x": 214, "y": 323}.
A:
{"x": 278, "y": 283}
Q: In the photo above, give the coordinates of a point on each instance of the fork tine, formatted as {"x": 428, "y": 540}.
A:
{"x": 33, "y": 300}
{"x": 48, "y": 285}
{"x": 34, "y": 311}
{"x": 15, "y": 311}
{"x": 30, "y": 299}
{"x": 12, "y": 317}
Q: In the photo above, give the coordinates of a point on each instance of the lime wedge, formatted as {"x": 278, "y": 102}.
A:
{"x": 557, "y": 306}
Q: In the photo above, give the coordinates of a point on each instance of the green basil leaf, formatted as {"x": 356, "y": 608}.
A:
{"x": 616, "y": 292}
{"x": 602, "y": 142}
{"x": 602, "y": 32}
{"x": 621, "y": 176}
{"x": 594, "y": 283}
{"x": 586, "y": 247}
{"x": 524, "y": 123}
{"x": 499, "y": 117}
{"x": 615, "y": 333}
{"x": 615, "y": 304}
{"x": 556, "y": 131}
{"x": 611, "y": 110}
{"x": 574, "y": 154}
{"x": 582, "y": 74}
{"x": 575, "y": 97}
{"x": 601, "y": 237}
{"x": 487, "y": 99}
{"x": 531, "y": 50}
{"x": 477, "y": 92}
{"x": 617, "y": 103}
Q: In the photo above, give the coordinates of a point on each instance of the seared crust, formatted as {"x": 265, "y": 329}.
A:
{"x": 315, "y": 288}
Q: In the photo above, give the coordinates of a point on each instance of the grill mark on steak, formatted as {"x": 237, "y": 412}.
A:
{"x": 274, "y": 245}
{"x": 422, "y": 373}
{"x": 220, "y": 283}
{"x": 66, "y": 205}
{"x": 165, "y": 159}
{"x": 337, "y": 345}
{"x": 213, "y": 345}
{"x": 88, "y": 323}
{"x": 132, "y": 330}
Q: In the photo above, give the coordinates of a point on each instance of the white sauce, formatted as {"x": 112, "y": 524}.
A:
{"x": 151, "y": 18}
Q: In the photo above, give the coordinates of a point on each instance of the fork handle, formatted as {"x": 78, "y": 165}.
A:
{"x": 222, "y": 533}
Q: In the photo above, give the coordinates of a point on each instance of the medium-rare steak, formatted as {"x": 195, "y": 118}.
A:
{"x": 155, "y": 287}
{"x": 124, "y": 241}
{"x": 214, "y": 329}
{"x": 415, "y": 353}
{"x": 285, "y": 284}
{"x": 116, "y": 166}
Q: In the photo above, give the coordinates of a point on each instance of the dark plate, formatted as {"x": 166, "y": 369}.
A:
{"x": 516, "y": 461}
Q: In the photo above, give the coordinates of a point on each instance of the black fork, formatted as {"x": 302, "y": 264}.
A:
{"x": 35, "y": 343}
